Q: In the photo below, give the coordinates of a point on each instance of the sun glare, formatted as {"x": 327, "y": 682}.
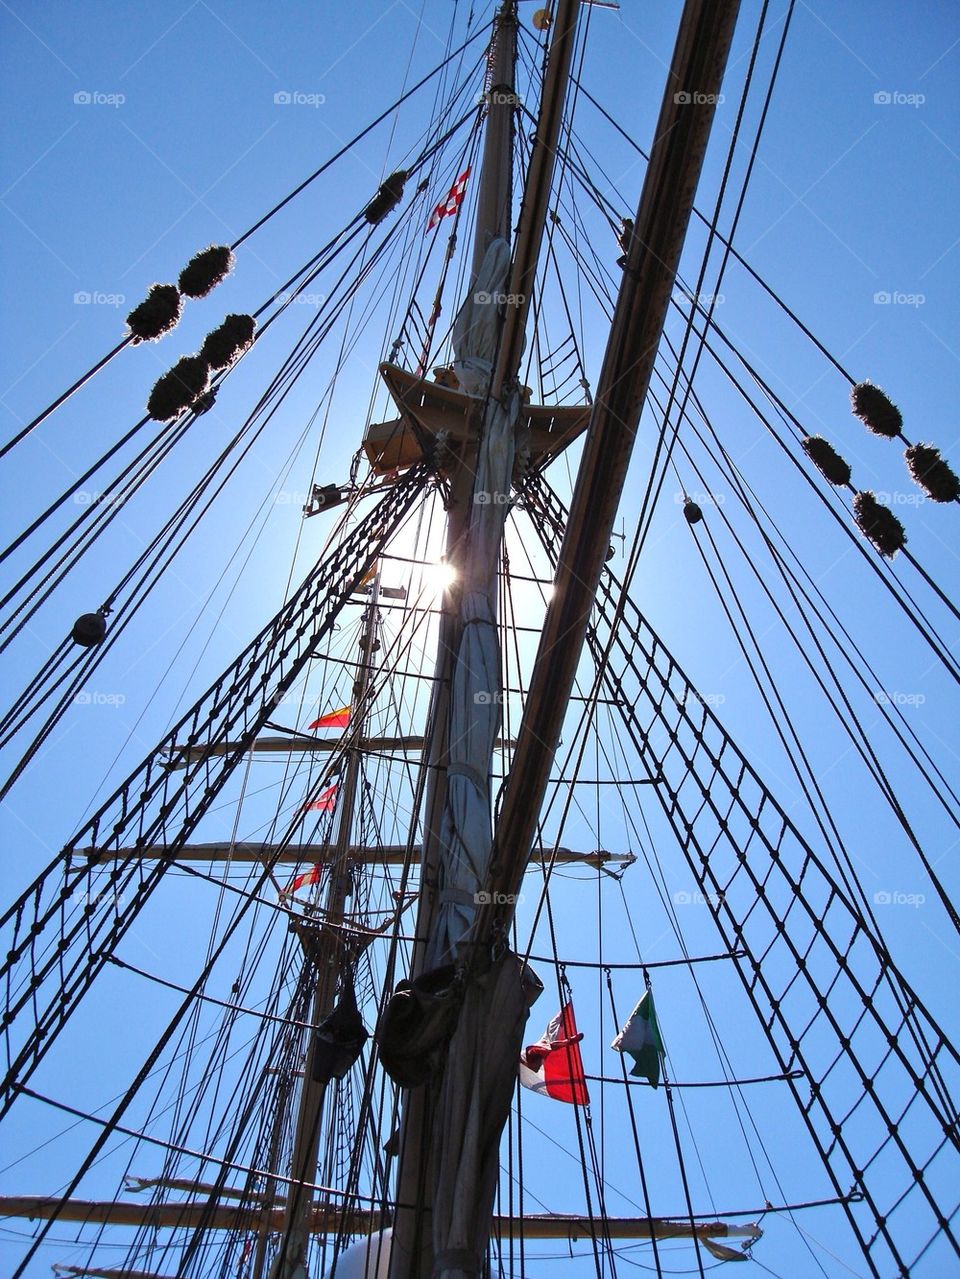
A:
{"x": 440, "y": 577}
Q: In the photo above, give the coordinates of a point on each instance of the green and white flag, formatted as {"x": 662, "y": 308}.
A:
{"x": 640, "y": 1038}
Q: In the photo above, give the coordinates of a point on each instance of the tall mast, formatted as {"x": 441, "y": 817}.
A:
{"x": 494, "y": 216}
{"x": 495, "y": 192}
{"x": 494, "y": 200}
{"x": 325, "y": 948}
{"x": 435, "y": 1231}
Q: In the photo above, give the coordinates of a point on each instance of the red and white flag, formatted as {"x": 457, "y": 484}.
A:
{"x": 311, "y": 876}
{"x": 325, "y": 802}
{"x": 553, "y": 1066}
{"x": 334, "y": 719}
{"x": 452, "y": 202}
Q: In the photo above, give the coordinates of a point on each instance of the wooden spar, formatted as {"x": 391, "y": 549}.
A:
{"x": 680, "y": 142}
{"x": 296, "y": 744}
{"x": 295, "y": 854}
{"x": 326, "y": 950}
{"x": 335, "y": 1219}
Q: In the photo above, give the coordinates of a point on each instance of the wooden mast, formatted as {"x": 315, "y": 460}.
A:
{"x": 411, "y": 1247}
{"x": 325, "y": 949}
{"x": 494, "y": 208}
{"x": 494, "y": 200}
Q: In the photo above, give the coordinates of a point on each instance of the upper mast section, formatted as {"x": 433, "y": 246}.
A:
{"x": 495, "y": 192}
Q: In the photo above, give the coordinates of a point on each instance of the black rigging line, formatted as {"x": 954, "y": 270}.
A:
{"x": 250, "y": 231}
{"x": 171, "y": 536}
{"x": 654, "y": 488}
{"x": 807, "y": 332}
{"x": 892, "y": 584}
{"x": 869, "y": 975}
{"x": 238, "y": 700}
{"x": 306, "y": 275}
{"x": 825, "y": 614}
{"x": 859, "y": 739}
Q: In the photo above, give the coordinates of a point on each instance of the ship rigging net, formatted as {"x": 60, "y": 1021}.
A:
{"x": 260, "y": 865}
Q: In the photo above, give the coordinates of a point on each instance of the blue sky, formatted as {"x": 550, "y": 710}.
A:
{"x": 135, "y": 136}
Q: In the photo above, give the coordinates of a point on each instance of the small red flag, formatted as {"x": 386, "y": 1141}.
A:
{"x": 335, "y": 719}
{"x": 325, "y": 802}
{"x": 311, "y": 876}
{"x": 452, "y": 202}
{"x": 553, "y": 1066}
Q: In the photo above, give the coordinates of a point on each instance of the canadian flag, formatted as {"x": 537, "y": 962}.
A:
{"x": 452, "y": 202}
{"x": 553, "y": 1066}
{"x": 334, "y": 719}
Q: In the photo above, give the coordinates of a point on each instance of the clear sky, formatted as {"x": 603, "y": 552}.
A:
{"x": 135, "y": 135}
